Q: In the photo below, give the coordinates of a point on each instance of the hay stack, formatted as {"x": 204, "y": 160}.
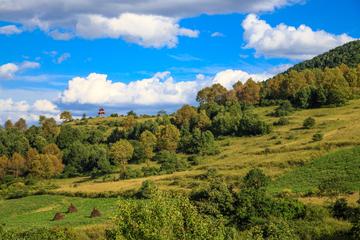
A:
{"x": 71, "y": 209}
{"x": 58, "y": 216}
{"x": 95, "y": 213}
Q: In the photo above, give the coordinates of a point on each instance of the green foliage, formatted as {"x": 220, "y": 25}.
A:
{"x": 284, "y": 109}
{"x": 170, "y": 162}
{"x": 309, "y": 123}
{"x": 121, "y": 152}
{"x": 251, "y": 125}
{"x": 255, "y": 179}
{"x": 281, "y": 122}
{"x": 317, "y": 137}
{"x": 323, "y": 169}
{"x": 164, "y": 219}
{"x": 148, "y": 190}
{"x": 346, "y": 54}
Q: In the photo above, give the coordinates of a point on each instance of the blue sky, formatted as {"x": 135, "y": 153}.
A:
{"x": 155, "y": 55}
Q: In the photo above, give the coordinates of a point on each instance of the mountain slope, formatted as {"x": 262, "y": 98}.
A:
{"x": 348, "y": 54}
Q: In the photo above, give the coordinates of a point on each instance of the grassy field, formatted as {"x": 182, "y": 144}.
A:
{"x": 344, "y": 164}
{"x": 286, "y": 148}
{"x": 288, "y": 155}
{"x": 38, "y": 211}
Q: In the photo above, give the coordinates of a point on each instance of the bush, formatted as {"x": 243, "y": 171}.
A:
{"x": 281, "y": 122}
{"x": 164, "y": 219}
{"x": 309, "y": 123}
{"x": 251, "y": 125}
{"x": 150, "y": 171}
{"x": 284, "y": 109}
{"x": 317, "y": 137}
{"x": 148, "y": 190}
{"x": 340, "y": 209}
{"x": 129, "y": 173}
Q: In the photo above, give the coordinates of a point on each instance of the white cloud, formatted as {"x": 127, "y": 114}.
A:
{"x": 13, "y": 110}
{"x": 288, "y": 41}
{"x": 161, "y": 89}
{"x": 217, "y": 34}
{"x": 228, "y": 77}
{"x": 9, "y": 70}
{"x": 46, "y": 106}
{"x": 10, "y": 30}
{"x": 64, "y": 19}
{"x": 63, "y": 57}
{"x": 145, "y": 30}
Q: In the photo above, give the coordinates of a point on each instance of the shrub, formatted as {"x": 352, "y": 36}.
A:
{"x": 281, "y": 122}
{"x": 309, "y": 123}
{"x": 317, "y": 137}
{"x": 252, "y": 125}
{"x": 148, "y": 190}
{"x": 164, "y": 219}
{"x": 284, "y": 109}
{"x": 340, "y": 209}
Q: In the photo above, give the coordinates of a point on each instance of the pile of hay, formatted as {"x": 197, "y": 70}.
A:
{"x": 58, "y": 216}
{"x": 95, "y": 213}
{"x": 71, "y": 209}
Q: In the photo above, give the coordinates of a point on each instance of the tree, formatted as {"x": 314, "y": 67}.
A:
{"x": 214, "y": 94}
{"x": 8, "y": 124}
{"x": 168, "y": 138}
{"x": 3, "y": 166}
{"x": 148, "y": 139}
{"x": 49, "y": 128}
{"x": 21, "y": 125}
{"x": 256, "y": 179}
{"x": 249, "y": 93}
{"x": 121, "y": 152}
{"x": 139, "y": 155}
{"x": 68, "y": 135}
{"x": 186, "y": 115}
{"x": 17, "y": 164}
{"x": 66, "y": 116}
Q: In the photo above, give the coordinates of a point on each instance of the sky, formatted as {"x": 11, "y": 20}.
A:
{"x": 147, "y": 56}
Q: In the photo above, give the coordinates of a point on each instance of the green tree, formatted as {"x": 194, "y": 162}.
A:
{"x": 21, "y": 125}
{"x": 148, "y": 139}
{"x": 66, "y": 116}
{"x": 8, "y": 124}
{"x": 121, "y": 152}
{"x": 168, "y": 138}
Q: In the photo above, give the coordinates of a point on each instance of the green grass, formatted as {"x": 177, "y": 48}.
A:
{"x": 343, "y": 164}
{"x": 38, "y": 211}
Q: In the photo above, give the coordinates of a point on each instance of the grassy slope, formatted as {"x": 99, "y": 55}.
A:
{"x": 288, "y": 147}
{"x": 38, "y": 211}
{"x": 344, "y": 164}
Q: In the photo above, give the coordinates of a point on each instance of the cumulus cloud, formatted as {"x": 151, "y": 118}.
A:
{"x": 161, "y": 89}
{"x": 9, "y": 70}
{"x": 13, "y": 110}
{"x": 145, "y": 30}
{"x": 287, "y": 41}
{"x": 228, "y": 77}
{"x": 64, "y": 19}
{"x": 10, "y": 30}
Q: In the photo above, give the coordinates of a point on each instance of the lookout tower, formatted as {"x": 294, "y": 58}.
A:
{"x": 101, "y": 112}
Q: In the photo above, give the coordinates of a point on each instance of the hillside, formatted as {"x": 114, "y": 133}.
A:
{"x": 348, "y": 54}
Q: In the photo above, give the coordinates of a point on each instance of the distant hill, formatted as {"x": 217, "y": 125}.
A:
{"x": 348, "y": 54}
